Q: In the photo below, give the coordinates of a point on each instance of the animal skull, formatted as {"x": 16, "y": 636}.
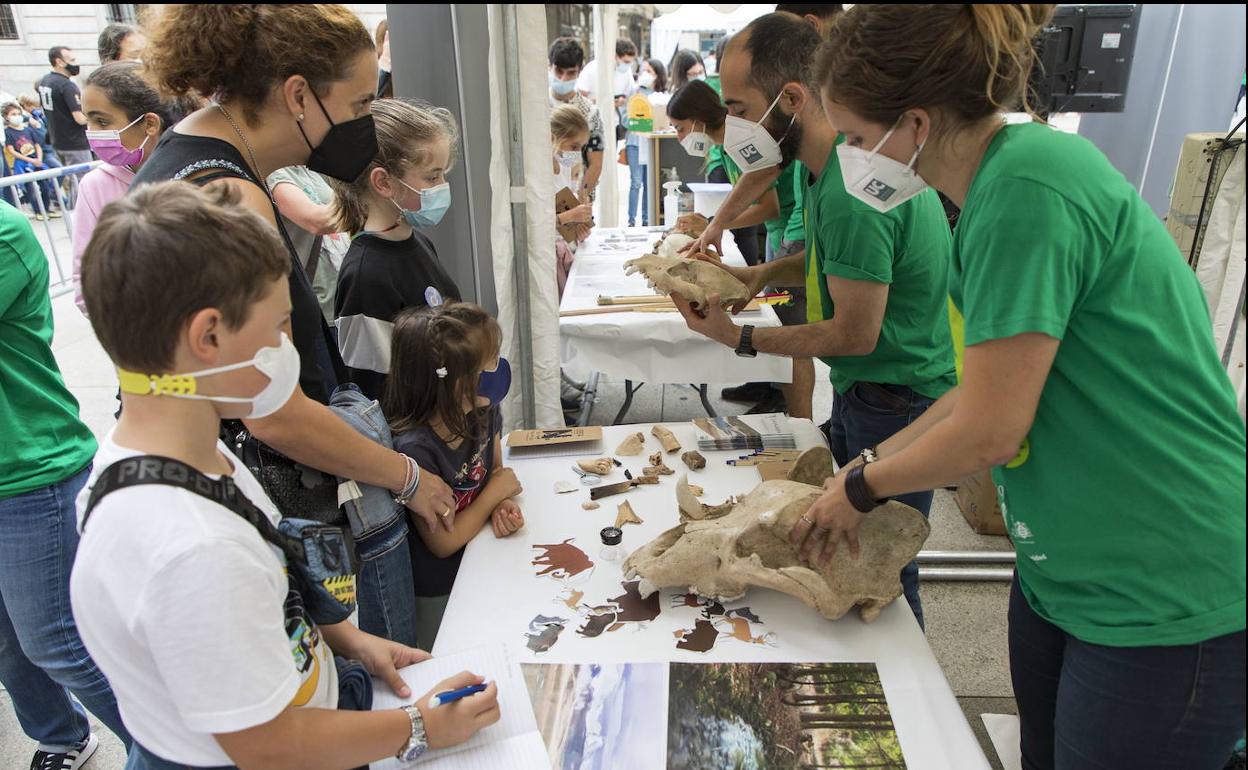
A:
{"x": 692, "y": 279}
{"x": 671, "y": 244}
{"x": 722, "y": 557}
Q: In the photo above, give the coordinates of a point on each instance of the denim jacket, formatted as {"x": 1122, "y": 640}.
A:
{"x": 368, "y": 508}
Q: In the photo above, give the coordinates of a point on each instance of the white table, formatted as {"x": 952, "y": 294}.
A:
{"x": 497, "y": 594}
{"x": 649, "y": 347}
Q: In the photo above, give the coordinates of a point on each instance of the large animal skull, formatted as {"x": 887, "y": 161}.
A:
{"x": 722, "y": 557}
{"x": 692, "y": 279}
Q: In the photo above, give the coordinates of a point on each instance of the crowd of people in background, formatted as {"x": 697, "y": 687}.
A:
{"x": 253, "y": 256}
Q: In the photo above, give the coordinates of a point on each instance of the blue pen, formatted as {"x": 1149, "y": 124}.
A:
{"x": 450, "y": 696}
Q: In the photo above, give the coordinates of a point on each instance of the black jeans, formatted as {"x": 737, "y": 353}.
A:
{"x": 1088, "y": 707}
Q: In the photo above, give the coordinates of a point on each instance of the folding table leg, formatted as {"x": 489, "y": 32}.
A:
{"x": 587, "y": 400}
{"x": 706, "y": 401}
{"x": 629, "y": 390}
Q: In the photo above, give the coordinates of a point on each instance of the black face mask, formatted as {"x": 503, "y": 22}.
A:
{"x": 346, "y": 150}
{"x": 73, "y": 69}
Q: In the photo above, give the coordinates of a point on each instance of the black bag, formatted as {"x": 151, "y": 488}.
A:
{"x": 295, "y": 489}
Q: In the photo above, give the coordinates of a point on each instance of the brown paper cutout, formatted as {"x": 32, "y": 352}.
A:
{"x": 700, "y": 639}
{"x": 633, "y": 608}
{"x": 596, "y": 624}
{"x": 562, "y": 560}
{"x": 543, "y": 633}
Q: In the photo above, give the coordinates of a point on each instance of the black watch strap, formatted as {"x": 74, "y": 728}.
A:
{"x": 745, "y": 348}
{"x": 857, "y": 493}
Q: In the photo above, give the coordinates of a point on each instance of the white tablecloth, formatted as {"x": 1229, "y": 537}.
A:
{"x": 649, "y": 347}
{"x": 497, "y": 594}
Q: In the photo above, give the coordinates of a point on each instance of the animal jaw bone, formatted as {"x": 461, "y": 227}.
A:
{"x": 749, "y": 546}
{"x": 693, "y": 509}
{"x": 692, "y": 279}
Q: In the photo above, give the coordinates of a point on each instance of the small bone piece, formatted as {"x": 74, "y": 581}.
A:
{"x": 626, "y": 515}
{"x": 632, "y": 446}
{"x": 813, "y": 467}
{"x": 693, "y": 509}
{"x": 657, "y": 468}
{"x": 694, "y": 460}
{"x": 696, "y": 490}
{"x": 563, "y": 487}
{"x": 667, "y": 439}
{"x": 591, "y": 506}
{"x": 600, "y": 467}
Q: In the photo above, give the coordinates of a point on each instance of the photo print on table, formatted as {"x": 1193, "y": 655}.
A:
{"x": 779, "y": 716}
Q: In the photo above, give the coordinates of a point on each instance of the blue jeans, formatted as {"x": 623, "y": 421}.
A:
{"x": 639, "y": 183}
{"x": 863, "y": 417}
{"x": 42, "y": 658}
{"x": 387, "y": 592}
{"x": 1086, "y": 706}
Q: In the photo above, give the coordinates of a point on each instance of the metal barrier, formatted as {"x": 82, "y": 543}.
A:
{"x": 63, "y": 283}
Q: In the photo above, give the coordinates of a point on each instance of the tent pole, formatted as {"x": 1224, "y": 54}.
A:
{"x": 606, "y": 31}
{"x": 519, "y": 218}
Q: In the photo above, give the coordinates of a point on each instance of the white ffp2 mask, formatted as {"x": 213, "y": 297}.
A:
{"x": 750, "y": 145}
{"x": 696, "y": 143}
{"x": 877, "y": 180}
{"x": 280, "y": 364}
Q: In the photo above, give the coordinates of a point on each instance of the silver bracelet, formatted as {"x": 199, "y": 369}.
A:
{"x": 411, "y": 486}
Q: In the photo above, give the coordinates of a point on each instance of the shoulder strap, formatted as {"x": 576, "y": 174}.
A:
{"x": 148, "y": 470}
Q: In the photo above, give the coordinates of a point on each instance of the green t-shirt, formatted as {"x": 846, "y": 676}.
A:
{"x": 717, "y": 158}
{"x": 45, "y": 442}
{"x": 1126, "y": 504}
{"x": 777, "y": 229}
{"x": 906, "y": 248}
{"x": 795, "y": 230}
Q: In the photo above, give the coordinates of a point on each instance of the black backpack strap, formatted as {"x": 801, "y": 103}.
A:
{"x": 150, "y": 470}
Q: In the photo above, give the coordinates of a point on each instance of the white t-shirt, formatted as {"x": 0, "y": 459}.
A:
{"x": 182, "y": 605}
{"x": 588, "y": 81}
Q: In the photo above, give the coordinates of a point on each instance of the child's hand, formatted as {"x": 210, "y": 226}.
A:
{"x": 505, "y": 483}
{"x": 456, "y": 722}
{"x": 507, "y": 519}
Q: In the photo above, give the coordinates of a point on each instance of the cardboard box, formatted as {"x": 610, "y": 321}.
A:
{"x": 1196, "y": 161}
{"x": 977, "y": 499}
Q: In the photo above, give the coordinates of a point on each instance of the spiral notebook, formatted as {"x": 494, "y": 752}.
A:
{"x": 513, "y": 742}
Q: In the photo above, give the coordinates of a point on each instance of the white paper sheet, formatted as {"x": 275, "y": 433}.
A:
{"x": 517, "y": 720}
{"x": 1005, "y": 733}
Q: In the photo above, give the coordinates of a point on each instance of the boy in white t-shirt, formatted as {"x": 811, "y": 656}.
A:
{"x": 183, "y": 604}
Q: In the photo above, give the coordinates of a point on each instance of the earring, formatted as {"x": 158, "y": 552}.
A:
{"x": 301, "y": 117}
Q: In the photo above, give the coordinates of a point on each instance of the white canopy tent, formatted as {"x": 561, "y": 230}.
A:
{"x": 667, "y": 31}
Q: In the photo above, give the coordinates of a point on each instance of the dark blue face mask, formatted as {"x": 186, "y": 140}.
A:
{"x": 496, "y": 384}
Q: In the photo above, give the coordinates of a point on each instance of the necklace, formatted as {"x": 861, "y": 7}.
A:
{"x": 250, "y": 152}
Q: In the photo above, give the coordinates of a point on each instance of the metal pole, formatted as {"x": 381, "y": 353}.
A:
{"x": 1230, "y": 338}
{"x": 519, "y": 217}
{"x": 948, "y": 574}
{"x": 606, "y": 30}
{"x": 965, "y": 557}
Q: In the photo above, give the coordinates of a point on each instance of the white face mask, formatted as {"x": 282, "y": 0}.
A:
{"x": 280, "y": 364}
{"x": 646, "y": 80}
{"x": 15, "y": 120}
{"x": 562, "y": 87}
{"x": 698, "y": 77}
{"x": 696, "y": 143}
{"x": 623, "y": 68}
{"x": 877, "y": 180}
{"x": 568, "y": 158}
{"x": 750, "y": 145}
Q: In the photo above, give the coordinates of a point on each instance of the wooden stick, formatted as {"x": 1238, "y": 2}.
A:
{"x": 650, "y": 308}
{"x": 603, "y": 299}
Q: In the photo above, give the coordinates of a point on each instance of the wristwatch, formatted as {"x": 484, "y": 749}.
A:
{"x": 745, "y": 348}
{"x": 418, "y": 744}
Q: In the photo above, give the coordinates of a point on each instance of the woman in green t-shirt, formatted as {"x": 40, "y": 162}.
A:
{"x": 1091, "y": 386}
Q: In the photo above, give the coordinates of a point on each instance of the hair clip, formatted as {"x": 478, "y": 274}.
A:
{"x": 441, "y": 372}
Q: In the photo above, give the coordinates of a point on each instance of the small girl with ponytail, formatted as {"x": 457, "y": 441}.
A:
{"x": 390, "y": 265}
{"x": 442, "y": 399}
